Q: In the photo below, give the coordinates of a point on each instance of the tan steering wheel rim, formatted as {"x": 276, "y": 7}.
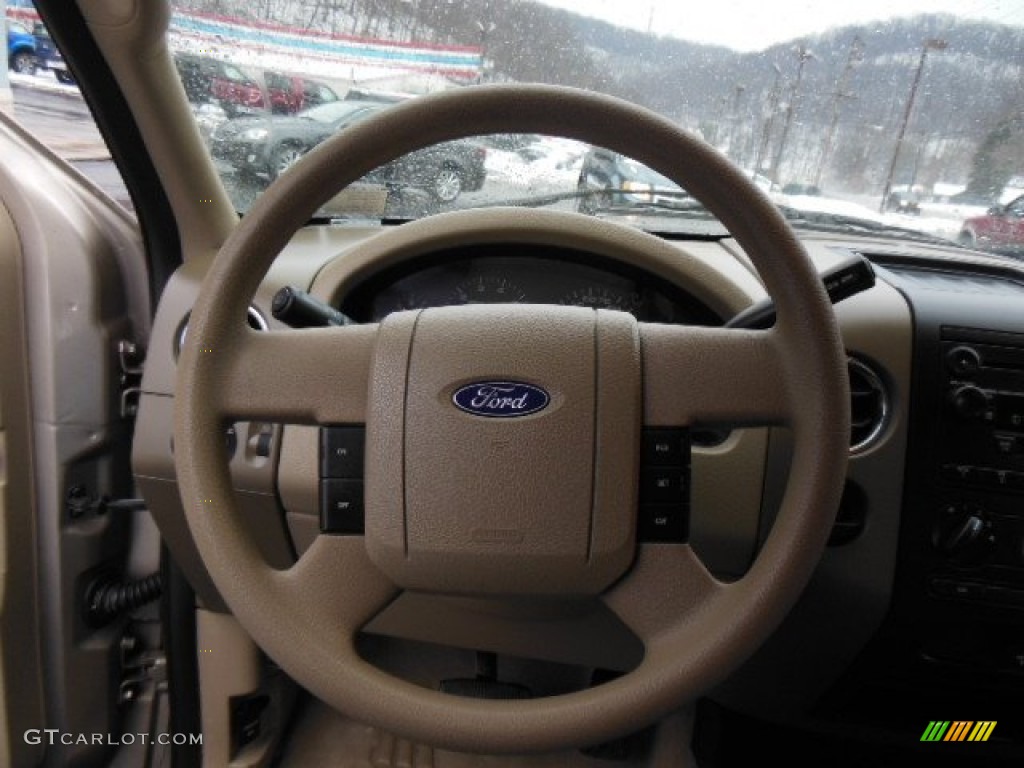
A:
{"x": 695, "y": 630}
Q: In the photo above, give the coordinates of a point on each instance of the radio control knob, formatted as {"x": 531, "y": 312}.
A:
{"x": 963, "y": 360}
{"x": 969, "y": 401}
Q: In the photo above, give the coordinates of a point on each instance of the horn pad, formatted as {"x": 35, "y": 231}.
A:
{"x": 502, "y": 449}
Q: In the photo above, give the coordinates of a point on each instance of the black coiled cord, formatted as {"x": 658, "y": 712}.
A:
{"x": 108, "y": 597}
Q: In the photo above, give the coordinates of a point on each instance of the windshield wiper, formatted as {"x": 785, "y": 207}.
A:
{"x": 540, "y": 201}
{"x": 840, "y": 223}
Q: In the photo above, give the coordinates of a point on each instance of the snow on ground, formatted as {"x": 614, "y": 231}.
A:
{"x": 44, "y": 80}
{"x": 546, "y": 165}
{"x": 938, "y": 219}
{"x": 818, "y": 204}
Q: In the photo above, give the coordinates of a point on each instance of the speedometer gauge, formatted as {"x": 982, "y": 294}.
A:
{"x": 488, "y": 289}
{"x": 602, "y": 297}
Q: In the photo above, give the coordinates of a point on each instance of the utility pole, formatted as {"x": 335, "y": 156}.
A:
{"x": 803, "y": 56}
{"x": 485, "y": 29}
{"x": 735, "y": 120}
{"x": 931, "y": 44}
{"x": 769, "y": 123}
{"x": 856, "y": 54}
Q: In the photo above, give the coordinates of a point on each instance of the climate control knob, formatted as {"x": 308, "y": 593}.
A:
{"x": 970, "y": 402}
{"x": 963, "y": 361}
{"x": 964, "y": 534}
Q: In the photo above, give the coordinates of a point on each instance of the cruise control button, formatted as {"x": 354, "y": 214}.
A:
{"x": 666, "y": 523}
{"x": 665, "y": 447}
{"x": 341, "y": 452}
{"x": 662, "y": 485}
{"x": 341, "y": 506}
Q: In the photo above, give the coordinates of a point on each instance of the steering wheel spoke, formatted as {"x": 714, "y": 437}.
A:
{"x": 310, "y": 376}
{"x": 695, "y": 375}
{"x": 336, "y": 584}
{"x": 667, "y": 584}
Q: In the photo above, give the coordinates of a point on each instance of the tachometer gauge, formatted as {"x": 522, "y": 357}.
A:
{"x": 488, "y": 289}
{"x": 602, "y": 297}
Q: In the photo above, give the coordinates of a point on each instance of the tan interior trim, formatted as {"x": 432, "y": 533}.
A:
{"x": 132, "y": 38}
{"x": 21, "y": 687}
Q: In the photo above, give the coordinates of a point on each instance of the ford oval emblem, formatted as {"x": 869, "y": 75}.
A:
{"x": 500, "y": 399}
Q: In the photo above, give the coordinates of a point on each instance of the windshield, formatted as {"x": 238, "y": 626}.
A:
{"x": 894, "y": 117}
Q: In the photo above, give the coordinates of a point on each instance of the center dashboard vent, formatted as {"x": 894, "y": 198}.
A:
{"x": 869, "y": 405}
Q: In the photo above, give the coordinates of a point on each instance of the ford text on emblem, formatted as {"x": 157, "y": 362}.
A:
{"x": 500, "y": 399}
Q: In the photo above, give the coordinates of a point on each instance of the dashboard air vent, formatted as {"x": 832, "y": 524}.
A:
{"x": 869, "y": 405}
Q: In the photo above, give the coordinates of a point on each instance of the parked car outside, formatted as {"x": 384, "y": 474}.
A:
{"x": 1000, "y": 230}
{"x": 270, "y": 145}
{"x": 610, "y": 180}
{"x": 903, "y": 201}
{"x": 206, "y": 79}
{"x": 802, "y": 190}
{"x": 21, "y": 49}
{"x": 48, "y": 56}
{"x": 288, "y": 94}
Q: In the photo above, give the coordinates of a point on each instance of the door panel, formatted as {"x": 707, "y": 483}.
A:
{"x": 76, "y": 259}
{"x": 21, "y": 701}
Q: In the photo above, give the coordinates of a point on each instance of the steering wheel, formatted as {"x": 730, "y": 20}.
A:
{"x": 563, "y": 522}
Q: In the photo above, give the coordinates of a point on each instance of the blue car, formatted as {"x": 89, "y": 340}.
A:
{"x": 21, "y": 49}
{"x": 48, "y": 56}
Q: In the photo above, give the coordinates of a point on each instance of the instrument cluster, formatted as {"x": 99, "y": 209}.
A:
{"x": 501, "y": 275}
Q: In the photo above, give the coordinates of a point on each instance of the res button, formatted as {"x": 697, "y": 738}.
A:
{"x": 665, "y": 448}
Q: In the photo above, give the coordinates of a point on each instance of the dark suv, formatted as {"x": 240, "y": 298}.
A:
{"x": 610, "y": 180}
{"x": 271, "y": 144}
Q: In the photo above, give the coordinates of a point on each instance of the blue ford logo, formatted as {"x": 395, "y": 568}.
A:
{"x": 500, "y": 399}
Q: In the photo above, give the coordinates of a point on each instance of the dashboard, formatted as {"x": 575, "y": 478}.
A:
{"x": 912, "y": 603}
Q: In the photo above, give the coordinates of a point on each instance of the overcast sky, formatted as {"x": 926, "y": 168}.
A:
{"x": 751, "y": 25}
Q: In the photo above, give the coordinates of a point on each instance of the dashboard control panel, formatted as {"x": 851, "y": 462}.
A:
{"x": 978, "y": 532}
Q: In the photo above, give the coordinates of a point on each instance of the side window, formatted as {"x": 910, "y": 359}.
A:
{"x": 46, "y": 101}
{"x": 314, "y": 93}
{"x": 232, "y": 73}
{"x": 1016, "y": 208}
{"x": 326, "y": 94}
{"x": 276, "y": 82}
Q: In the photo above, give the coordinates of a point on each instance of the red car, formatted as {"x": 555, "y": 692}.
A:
{"x": 289, "y": 94}
{"x": 1001, "y": 229}
{"x": 211, "y": 80}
